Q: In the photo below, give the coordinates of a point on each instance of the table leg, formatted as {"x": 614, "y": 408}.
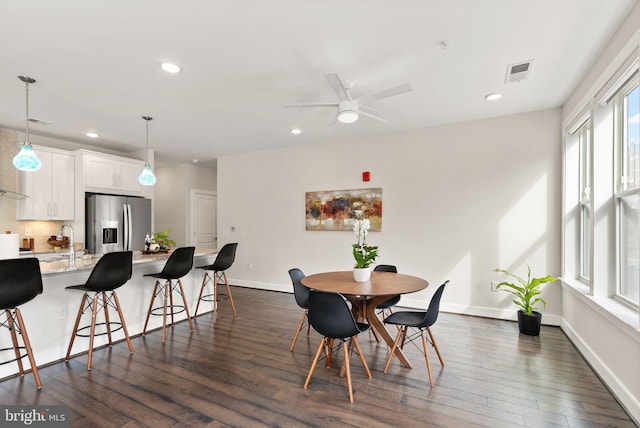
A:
{"x": 378, "y": 327}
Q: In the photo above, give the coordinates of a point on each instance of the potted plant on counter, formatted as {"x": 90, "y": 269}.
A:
{"x": 527, "y": 295}
{"x": 163, "y": 240}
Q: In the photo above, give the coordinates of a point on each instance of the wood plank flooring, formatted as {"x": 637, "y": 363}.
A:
{"x": 240, "y": 373}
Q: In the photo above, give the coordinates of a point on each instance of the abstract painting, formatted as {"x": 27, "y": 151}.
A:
{"x": 338, "y": 209}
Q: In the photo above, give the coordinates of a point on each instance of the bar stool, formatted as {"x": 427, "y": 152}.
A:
{"x": 20, "y": 282}
{"x": 179, "y": 264}
{"x": 223, "y": 261}
{"x": 112, "y": 271}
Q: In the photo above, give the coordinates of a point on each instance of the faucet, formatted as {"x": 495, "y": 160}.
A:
{"x": 72, "y": 254}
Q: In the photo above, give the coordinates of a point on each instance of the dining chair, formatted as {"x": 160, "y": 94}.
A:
{"x": 420, "y": 321}
{"x": 301, "y": 294}
{"x": 387, "y": 304}
{"x": 20, "y": 282}
{"x": 329, "y": 315}
{"x": 112, "y": 271}
{"x": 223, "y": 261}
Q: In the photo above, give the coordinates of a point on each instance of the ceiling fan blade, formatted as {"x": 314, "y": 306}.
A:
{"x": 397, "y": 90}
{"x": 306, "y": 105}
{"x": 337, "y": 86}
{"x": 371, "y": 110}
{"x": 372, "y": 116}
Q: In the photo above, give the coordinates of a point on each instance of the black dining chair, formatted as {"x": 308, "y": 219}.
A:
{"x": 223, "y": 261}
{"x": 301, "y": 293}
{"x": 112, "y": 271}
{"x": 20, "y": 282}
{"x": 387, "y": 304}
{"x": 329, "y": 315}
{"x": 420, "y": 321}
{"x": 179, "y": 264}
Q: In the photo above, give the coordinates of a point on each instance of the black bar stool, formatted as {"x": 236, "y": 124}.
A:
{"x": 112, "y": 271}
{"x": 179, "y": 264}
{"x": 20, "y": 282}
{"x": 223, "y": 261}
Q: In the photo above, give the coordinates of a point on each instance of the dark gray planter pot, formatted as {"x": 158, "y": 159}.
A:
{"x": 529, "y": 324}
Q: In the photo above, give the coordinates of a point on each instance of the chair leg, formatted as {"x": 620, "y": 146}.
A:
{"x": 315, "y": 361}
{"x": 226, "y": 282}
{"x": 300, "y": 324}
{"x": 393, "y": 350}
{"x": 153, "y": 297}
{"x": 426, "y": 356}
{"x": 75, "y": 327}
{"x": 124, "y": 326}
{"x": 27, "y": 345}
{"x": 106, "y": 317}
{"x": 167, "y": 284}
{"x": 14, "y": 340}
{"x": 435, "y": 346}
{"x": 404, "y": 336}
{"x": 204, "y": 283}
{"x": 214, "y": 282}
{"x": 94, "y": 310}
{"x": 184, "y": 301}
{"x": 171, "y": 286}
{"x": 348, "y": 367}
{"x": 364, "y": 362}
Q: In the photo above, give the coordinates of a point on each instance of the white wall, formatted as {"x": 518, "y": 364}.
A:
{"x": 172, "y": 193}
{"x": 459, "y": 200}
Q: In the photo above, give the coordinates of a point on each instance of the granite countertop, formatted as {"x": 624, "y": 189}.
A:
{"x": 88, "y": 261}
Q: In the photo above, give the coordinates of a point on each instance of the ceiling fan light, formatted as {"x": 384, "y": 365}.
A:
{"x": 26, "y": 159}
{"x": 348, "y": 116}
{"x": 147, "y": 178}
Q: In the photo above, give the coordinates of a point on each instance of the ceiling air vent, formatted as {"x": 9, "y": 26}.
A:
{"x": 518, "y": 72}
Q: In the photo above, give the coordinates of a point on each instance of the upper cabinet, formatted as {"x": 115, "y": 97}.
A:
{"x": 50, "y": 190}
{"x": 112, "y": 174}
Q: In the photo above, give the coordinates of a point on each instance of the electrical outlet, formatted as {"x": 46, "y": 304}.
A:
{"x": 62, "y": 314}
{"x": 27, "y": 232}
{"x": 249, "y": 266}
{"x": 46, "y": 232}
{"x": 494, "y": 284}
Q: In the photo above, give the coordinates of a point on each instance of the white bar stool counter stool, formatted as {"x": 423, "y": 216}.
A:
{"x": 112, "y": 271}
{"x": 20, "y": 282}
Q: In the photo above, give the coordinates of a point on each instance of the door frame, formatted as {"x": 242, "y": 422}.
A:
{"x": 192, "y": 213}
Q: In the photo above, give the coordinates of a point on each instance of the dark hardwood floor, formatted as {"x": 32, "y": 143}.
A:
{"x": 241, "y": 373}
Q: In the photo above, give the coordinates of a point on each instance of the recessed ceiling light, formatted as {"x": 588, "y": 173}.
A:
{"x": 92, "y": 135}
{"x": 295, "y": 131}
{"x": 492, "y": 97}
{"x": 170, "y": 67}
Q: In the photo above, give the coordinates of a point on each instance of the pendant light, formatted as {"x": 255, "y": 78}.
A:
{"x": 147, "y": 178}
{"x": 26, "y": 159}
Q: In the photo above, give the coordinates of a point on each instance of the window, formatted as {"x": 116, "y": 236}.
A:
{"x": 627, "y": 196}
{"x": 584, "y": 197}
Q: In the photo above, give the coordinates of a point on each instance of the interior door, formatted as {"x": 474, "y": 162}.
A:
{"x": 203, "y": 219}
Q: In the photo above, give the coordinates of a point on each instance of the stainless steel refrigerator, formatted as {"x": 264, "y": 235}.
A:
{"x": 116, "y": 223}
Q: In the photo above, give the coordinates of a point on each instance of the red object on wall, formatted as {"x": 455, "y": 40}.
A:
{"x": 366, "y": 176}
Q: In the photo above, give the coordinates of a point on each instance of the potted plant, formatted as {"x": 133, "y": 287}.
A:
{"x": 527, "y": 295}
{"x": 363, "y": 253}
{"x": 163, "y": 240}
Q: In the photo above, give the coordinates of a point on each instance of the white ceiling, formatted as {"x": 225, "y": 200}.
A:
{"x": 97, "y": 66}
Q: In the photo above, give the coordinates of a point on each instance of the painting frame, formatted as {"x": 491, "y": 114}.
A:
{"x": 337, "y": 210}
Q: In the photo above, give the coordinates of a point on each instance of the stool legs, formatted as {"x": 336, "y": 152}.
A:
{"x": 14, "y": 316}
{"x": 167, "y": 297}
{"x": 93, "y": 303}
{"x": 214, "y": 282}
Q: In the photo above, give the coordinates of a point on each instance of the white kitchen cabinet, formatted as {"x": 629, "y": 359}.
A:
{"x": 50, "y": 190}
{"x": 112, "y": 173}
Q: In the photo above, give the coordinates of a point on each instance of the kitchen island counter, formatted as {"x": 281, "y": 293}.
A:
{"x": 50, "y": 316}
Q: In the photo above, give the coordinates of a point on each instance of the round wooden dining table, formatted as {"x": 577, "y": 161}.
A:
{"x": 365, "y": 296}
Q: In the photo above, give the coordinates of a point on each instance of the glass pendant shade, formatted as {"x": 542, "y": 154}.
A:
{"x": 147, "y": 178}
{"x": 26, "y": 159}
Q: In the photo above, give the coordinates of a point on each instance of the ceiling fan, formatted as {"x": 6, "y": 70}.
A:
{"x": 350, "y": 108}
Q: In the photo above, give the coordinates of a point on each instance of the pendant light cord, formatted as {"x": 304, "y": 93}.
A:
{"x": 147, "y": 118}
{"x": 26, "y": 81}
